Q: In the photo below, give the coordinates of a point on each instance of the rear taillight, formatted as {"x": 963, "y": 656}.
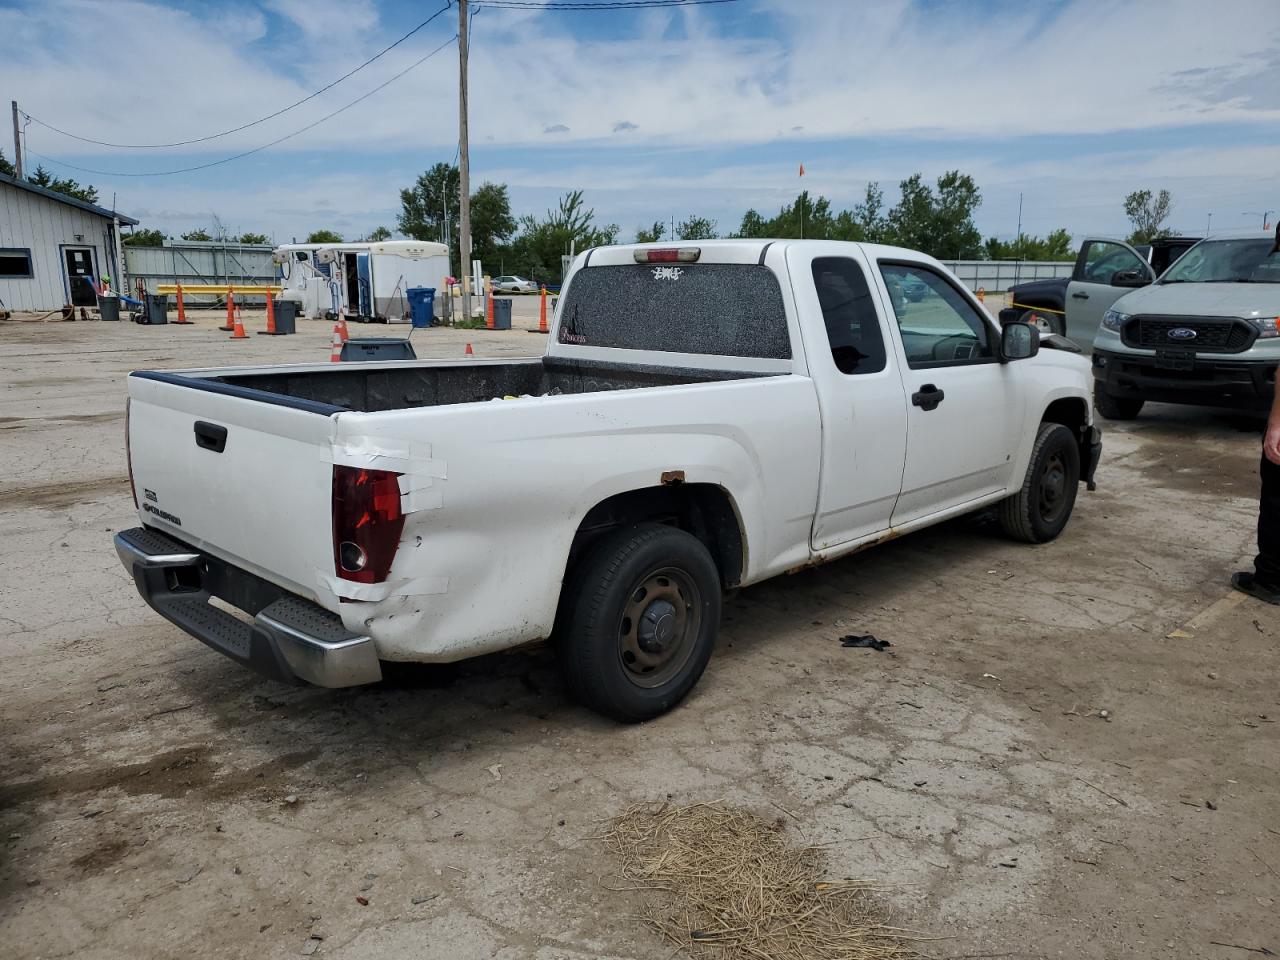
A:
{"x": 668, "y": 255}
{"x": 367, "y": 523}
{"x": 128, "y": 452}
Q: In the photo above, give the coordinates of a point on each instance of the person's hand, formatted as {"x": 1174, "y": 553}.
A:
{"x": 1271, "y": 442}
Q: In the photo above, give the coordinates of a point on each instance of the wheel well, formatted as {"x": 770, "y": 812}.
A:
{"x": 1072, "y": 412}
{"x": 702, "y": 509}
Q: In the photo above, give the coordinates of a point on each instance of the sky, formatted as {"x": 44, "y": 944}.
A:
{"x": 657, "y": 114}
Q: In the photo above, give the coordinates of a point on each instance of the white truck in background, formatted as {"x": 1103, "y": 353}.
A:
{"x": 706, "y": 416}
{"x": 369, "y": 280}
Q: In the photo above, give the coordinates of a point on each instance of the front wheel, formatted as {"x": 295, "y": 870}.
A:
{"x": 1041, "y": 508}
{"x": 1113, "y": 407}
{"x": 643, "y": 615}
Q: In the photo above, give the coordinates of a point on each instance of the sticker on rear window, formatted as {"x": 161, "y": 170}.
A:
{"x": 667, "y": 273}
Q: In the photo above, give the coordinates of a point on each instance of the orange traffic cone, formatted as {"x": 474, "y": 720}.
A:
{"x": 182, "y": 313}
{"x": 335, "y": 354}
{"x": 982, "y": 295}
{"x": 469, "y": 352}
{"x": 341, "y": 325}
{"x": 231, "y": 312}
{"x": 271, "y": 321}
{"x": 239, "y": 333}
{"x": 542, "y": 311}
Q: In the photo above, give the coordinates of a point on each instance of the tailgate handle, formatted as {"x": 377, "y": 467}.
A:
{"x": 211, "y": 436}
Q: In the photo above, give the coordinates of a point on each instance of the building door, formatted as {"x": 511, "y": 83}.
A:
{"x": 81, "y": 276}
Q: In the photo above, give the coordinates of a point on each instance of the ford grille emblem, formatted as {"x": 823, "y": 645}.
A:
{"x": 1182, "y": 333}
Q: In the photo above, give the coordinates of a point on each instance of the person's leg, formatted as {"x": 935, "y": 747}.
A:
{"x": 1267, "y": 564}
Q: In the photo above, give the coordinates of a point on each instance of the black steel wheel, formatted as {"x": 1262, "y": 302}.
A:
{"x": 642, "y": 614}
{"x": 1040, "y": 509}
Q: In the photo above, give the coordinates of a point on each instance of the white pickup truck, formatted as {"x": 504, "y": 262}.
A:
{"x": 705, "y": 417}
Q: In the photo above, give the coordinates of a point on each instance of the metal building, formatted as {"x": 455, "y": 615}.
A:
{"x": 55, "y": 249}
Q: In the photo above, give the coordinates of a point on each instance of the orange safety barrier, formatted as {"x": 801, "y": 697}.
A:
{"x": 542, "y": 311}
{"x": 488, "y": 310}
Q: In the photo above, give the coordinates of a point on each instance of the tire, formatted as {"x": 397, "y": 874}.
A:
{"x": 1041, "y": 320}
{"x": 626, "y": 648}
{"x": 1113, "y": 407}
{"x": 1038, "y": 512}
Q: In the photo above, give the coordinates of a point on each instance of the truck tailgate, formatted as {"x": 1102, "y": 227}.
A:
{"x": 246, "y": 480}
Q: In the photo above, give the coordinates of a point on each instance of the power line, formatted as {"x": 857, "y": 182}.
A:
{"x": 603, "y": 5}
{"x": 239, "y": 156}
{"x": 245, "y": 126}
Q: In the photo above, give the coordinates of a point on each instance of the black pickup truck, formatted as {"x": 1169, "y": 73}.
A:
{"x": 1043, "y": 302}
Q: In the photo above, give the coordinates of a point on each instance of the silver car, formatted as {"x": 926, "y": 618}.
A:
{"x": 512, "y": 284}
{"x": 1207, "y": 332}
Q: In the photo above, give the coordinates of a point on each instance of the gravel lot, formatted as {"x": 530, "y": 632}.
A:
{"x": 156, "y": 800}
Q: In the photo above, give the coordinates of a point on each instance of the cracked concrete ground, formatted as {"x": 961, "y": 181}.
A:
{"x": 156, "y": 800}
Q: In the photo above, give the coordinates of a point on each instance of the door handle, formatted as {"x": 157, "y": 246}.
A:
{"x": 928, "y": 397}
{"x": 1079, "y": 296}
{"x": 210, "y": 436}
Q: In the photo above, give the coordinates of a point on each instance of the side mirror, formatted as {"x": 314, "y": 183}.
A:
{"x": 1019, "y": 341}
{"x": 1129, "y": 278}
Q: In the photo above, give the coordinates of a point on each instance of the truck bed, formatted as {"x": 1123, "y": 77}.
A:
{"x": 369, "y": 388}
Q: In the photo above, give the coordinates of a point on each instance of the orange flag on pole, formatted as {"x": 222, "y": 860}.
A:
{"x": 802, "y": 169}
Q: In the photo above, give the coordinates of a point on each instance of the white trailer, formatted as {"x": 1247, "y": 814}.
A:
{"x": 369, "y": 280}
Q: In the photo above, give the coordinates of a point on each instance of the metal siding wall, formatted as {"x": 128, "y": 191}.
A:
{"x": 44, "y": 226}
{"x": 200, "y": 262}
{"x": 997, "y": 276}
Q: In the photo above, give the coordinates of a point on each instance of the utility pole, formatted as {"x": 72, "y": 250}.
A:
{"x": 1208, "y": 227}
{"x": 1017, "y": 263}
{"x": 17, "y": 140}
{"x": 464, "y": 166}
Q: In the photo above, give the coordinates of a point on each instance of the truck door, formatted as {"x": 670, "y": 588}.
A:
{"x": 1105, "y": 271}
{"x": 964, "y": 412}
{"x": 860, "y": 395}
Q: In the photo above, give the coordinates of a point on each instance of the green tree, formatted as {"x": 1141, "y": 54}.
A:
{"x": 254, "y": 238}
{"x": 753, "y": 225}
{"x": 199, "y": 233}
{"x": 1056, "y": 246}
{"x": 537, "y": 248}
{"x": 938, "y": 223}
{"x": 144, "y": 238}
{"x": 378, "y": 234}
{"x": 869, "y": 218}
{"x": 492, "y": 225}
{"x": 424, "y": 205}
{"x": 651, "y": 234}
{"x": 43, "y": 178}
{"x": 6, "y": 167}
{"x": 1148, "y": 212}
{"x": 324, "y": 236}
{"x": 697, "y": 228}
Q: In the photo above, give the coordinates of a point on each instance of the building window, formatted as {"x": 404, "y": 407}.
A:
{"x": 15, "y": 263}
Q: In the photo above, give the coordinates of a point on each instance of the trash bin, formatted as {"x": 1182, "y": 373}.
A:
{"x": 501, "y": 314}
{"x": 109, "y": 307}
{"x": 422, "y": 305}
{"x": 157, "y": 309}
{"x": 286, "y": 315}
{"x": 377, "y": 348}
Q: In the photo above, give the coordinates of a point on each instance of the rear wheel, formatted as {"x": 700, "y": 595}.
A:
{"x": 1041, "y": 508}
{"x": 643, "y": 615}
{"x": 1048, "y": 322}
{"x": 1113, "y": 407}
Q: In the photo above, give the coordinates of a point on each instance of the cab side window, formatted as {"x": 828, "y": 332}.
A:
{"x": 853, "y": 325}
{"x": 1101, "y": 260}
{"x": 939, "y": 327}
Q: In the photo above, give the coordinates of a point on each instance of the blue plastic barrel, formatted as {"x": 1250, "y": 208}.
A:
{"x": 421, "y": 305}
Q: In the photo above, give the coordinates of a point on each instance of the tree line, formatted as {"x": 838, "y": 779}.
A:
{"x": 935, "y": 218}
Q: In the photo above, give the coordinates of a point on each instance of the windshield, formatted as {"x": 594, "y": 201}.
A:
{"x": 1227, "y": 261}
